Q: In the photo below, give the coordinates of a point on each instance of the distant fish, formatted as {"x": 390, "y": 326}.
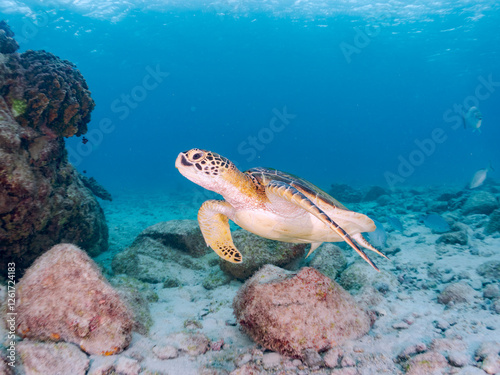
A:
{"x": 479, "y": 177}
{"x": 472, "y": 119}
{"x": 378, "y": 237}
{"x": 436, "y": 223}
{"x": 395, "y": 223}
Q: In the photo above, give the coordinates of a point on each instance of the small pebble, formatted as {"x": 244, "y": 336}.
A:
{"x": 165, "y": 352}
{"x": 331, "y": 358}
{"x": 458, "y": 359}
{"x": 312, "y": 358}
{"x": 127, "y": 366}
{"x": 243, "y": 359}
{"x": 447, "y": 277}
{"x": 231, "y": 322}
{"x": 271, "y": 360}
{"x": 411, "y": 350}
{"x": 400, "y": 325}
{"x": 491, "y": 291}
{"x": 441, "y": 324}
{"x": 409, "y": 320}
{"x": 348, "y": 361}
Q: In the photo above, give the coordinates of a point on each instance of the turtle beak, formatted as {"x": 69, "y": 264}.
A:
{"x": 181, "y": 161}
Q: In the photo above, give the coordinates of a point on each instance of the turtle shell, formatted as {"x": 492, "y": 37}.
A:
{"x": 264, "y": 176}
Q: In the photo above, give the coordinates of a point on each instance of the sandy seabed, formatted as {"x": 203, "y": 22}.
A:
{"x": 409, "y": 317}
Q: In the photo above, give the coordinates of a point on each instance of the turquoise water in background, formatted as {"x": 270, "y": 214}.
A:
{"x": 335, "y": 92}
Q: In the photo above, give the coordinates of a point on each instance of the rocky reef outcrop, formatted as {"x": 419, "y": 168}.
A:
{"x": 42, "y": 198}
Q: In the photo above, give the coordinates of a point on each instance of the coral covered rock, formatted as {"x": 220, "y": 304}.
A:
{"x": 46, "y": 93}
{"x": 257, "y": 252}
{"x": 52, "y": 358}
{"x": 7, "y": 42}
{"x": 291, "y": 312}
{"x": 480, "y": 202}
{"x": 42, "y": 199}
{"x": 361, "y": 273}
{"x": 63, "y": 296}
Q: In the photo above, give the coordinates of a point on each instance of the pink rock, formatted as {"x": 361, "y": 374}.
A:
{"x": 217, "y": 345}
{"x": 63, "y": 296}
{"x": 52, "y": 358}
{"x": 429, "y": 363}
{"x": 489, "y": 355}
{"x": 288, "y": 312}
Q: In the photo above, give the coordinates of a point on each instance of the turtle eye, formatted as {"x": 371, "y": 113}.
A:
{"x": 197, "y": 156}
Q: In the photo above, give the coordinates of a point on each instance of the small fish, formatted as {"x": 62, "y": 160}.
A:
{"x": 436, "y": 223}
{"x": 472, "y": 119}
{"x": 479, "y": 177}
{"x": 395, "y": 223}
{"x": 378, "y": 237}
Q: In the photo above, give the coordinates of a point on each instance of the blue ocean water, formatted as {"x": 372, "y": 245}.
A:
{"x": 335, "y": 92}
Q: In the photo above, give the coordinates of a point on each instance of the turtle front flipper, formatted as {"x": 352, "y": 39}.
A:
{"x": 214, "y": 225}
{"x": 292, "y": 195}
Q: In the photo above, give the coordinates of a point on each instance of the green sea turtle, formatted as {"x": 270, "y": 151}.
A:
{"x": 271, "y": 204}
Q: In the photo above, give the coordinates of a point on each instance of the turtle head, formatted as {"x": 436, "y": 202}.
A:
{"x": 205, "y": 168}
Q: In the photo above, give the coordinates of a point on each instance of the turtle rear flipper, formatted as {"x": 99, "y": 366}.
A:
{"x": 363, "y": 242}
{"x": 292, "y": 195}
{"x": 214, "y": 225}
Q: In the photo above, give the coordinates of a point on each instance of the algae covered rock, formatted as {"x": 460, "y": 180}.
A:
{"x": 184, "y": 235}
{"x": 329, "y": 260}
{"x": 429, "y": 363}
{"x": 490, "y": 270}
{"x": 494, "y": 223}
{"x": 166, "y": 251}
{"x": 63, "y": 296}
{"x": 489, "y": 355}
{"x": 137, "y": 296}
{"x": 52, "y": 358}
{"x": 258, "y": 251}
{"x": 480, "y": 202}
{"x": 457, "y": 293}
{"x": 291, "y": 312}
{"x": 215, "y": 279}
{"x": 453, "y": 238}
{"x": 361, "y": 273}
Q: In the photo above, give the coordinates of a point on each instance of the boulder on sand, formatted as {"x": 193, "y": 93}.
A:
{"x": 64, "y": 297}
{"x": 292, "y": 312}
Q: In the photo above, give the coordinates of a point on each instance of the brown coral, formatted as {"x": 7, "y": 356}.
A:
{"x": 42, "y": 199}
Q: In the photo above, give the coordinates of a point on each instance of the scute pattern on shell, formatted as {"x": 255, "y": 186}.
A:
{"x": 265, "y": 175}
